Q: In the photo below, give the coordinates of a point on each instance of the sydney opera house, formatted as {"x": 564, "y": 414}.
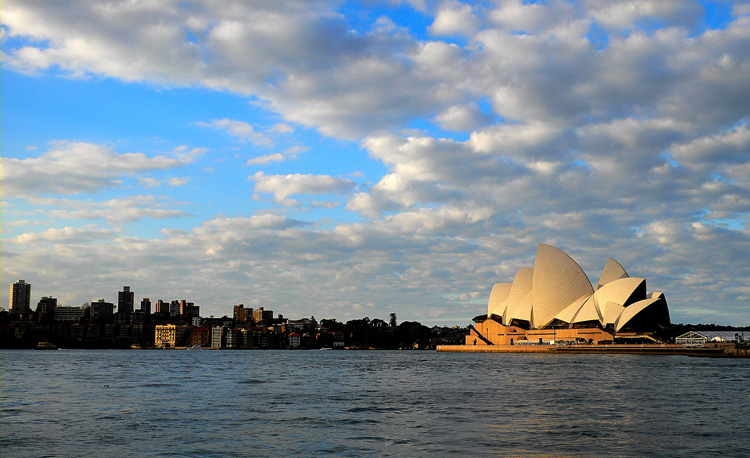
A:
{"x": 555, "y": 301}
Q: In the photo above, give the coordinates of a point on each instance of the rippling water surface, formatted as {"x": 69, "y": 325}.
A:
{"x": 71, "y": 403}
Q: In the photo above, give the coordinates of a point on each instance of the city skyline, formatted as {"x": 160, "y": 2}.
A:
{"x": 355, "y": 159}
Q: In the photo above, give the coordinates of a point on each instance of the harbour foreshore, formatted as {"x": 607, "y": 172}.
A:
{"x": 712, "y": 349}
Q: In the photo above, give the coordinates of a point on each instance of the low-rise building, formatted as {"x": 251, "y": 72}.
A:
{"x": 232, "y": 338}
{"x": 294, "y": 340}
{"x": 200, "y": 336}
{"x": 217, "y": 336}
{"x": 68, "y": 314}
{"x": 169, "y": 335}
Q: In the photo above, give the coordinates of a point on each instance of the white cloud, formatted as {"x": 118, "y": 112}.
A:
{"x": 454, "y": 18}
{"x": 267, "y": 159}
{"x": 239, "y": 129}
{"x": 66, "y": 236}
{"x": 75, "y": 167}
{"x": 114, "y": 211}
{"x": 177, "y": 181}
{"x": 462, "y": 118}
{"x": 282, "y": 186}
{"x": 282, "y": 128}
{"x": 729, "y": 147}
{"x": 290, "y": 153}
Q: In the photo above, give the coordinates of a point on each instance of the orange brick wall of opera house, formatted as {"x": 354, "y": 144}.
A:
{"x": 500, "y": 334}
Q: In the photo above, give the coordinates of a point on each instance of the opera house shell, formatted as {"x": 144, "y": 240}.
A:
{"x": 555, "y": 300}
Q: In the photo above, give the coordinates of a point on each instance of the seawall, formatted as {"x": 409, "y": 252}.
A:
{"x": 717, "y": 350}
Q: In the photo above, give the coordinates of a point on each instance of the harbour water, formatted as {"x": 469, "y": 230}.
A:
{"x": 83, "y": 403}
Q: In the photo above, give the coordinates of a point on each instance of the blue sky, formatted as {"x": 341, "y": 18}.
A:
{"x": 350, "y": 159}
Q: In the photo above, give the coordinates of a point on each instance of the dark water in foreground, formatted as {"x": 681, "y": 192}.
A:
{"x": 380, "y": 403}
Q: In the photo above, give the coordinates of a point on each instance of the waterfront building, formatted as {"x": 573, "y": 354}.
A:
{"x": 200, "y": 336}
{"x": 217, "y": 336}
{"x": 247, "y": 337}
{"x": 68, "y": 314}
{"x": 232, "y": 338}
{"x": 77, "y": 331}
{"x": 169, "y": 335}
{"x": 294, "y": 340}
{"x": 102, "y": 310}
{"x": 19, "y": 302}
{"x": 554, "y": 301}
{"x": 125, "y": 301}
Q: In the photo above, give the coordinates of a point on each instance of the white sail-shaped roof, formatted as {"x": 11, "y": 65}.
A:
{"x": 612, "y": 271}
{"x": 557, "y": 289}
{"x": 498, "y": 299}
{"x": 624, "y": 292}
{"x": 566, "y": 316}
{"x": 611, "y": 313}
{"x": 588, "y": 312}
{"x": 558, "y": 281}
{"x": 655, "y": 306}
{"x": 519, "y": 307}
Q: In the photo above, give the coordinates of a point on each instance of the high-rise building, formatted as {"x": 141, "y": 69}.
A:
{"x": 161, "y": 307}
{"x": 241, "y": 314}
{"x": 262, "y": 316}
{"x": 45, "y": 309}
{"x": 174, "y": 308}
{"x": 189, "y": 309}
{"x": 20, "y": 298}
{"x": 146, "y": 306}
{"x": 125, "y": 301}
{"x": 102, "y": 310}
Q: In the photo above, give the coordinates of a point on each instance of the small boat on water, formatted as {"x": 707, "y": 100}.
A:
{"x": 195, "y": 347}
{"x": 43, "y": 345}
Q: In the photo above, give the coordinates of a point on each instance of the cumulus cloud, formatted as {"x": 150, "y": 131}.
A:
{"x": 283, "y": 186}
{"x": 463, "y": 118}
{"x": 454, "y": 18}
{"x": 75, "y": 167}
{"x": 308, "y": 65}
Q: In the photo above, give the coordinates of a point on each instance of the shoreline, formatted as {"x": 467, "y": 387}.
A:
{"x": 715, "y": 350}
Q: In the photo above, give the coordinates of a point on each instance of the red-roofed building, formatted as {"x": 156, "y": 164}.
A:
{"x": 294, "y": 340}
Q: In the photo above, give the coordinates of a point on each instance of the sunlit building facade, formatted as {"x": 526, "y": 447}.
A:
{"x": 555, "y": 301}
{"x": 169, "y": 335}
{"x": 20, "y": 298}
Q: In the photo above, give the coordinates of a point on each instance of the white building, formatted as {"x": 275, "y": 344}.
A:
{"x": 217, "y": 336}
